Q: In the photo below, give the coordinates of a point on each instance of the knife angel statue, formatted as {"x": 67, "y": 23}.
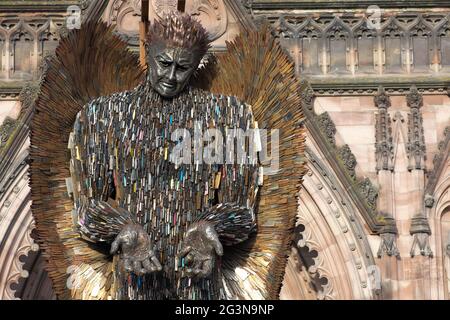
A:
{"x": 172, "y": 181}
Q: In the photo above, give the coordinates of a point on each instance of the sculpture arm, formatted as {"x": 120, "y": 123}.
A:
{"x": 98, "y": 221}
{"x": 233, "y": 218}
{"x": 92, "y": 178}
{"x": 232, "y": 222}
{"x": 230, "y": 216}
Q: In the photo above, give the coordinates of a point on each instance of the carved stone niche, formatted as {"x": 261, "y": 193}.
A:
{"x": 49, "y": 38}
{"x": 22, "y": 42}
{"x": 211, "y": 13}
{"x": 126, "y": 15}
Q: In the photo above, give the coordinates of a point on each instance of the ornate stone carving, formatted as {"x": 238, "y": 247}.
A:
{"x": 29, "y": 92}
{"x": 421, "y": 231}
{"x": 439, "y": 158}
{"x": 247, "y": 4}
{"x": 63, "y": 31}
{"x": 309, "y": 257}
{"x": 388, "y": 245}
{"x": 6, "y": 129}
{"x": 353, "y": 89}
{"x": 84, "y": 4}
{"x": 422, "y": 242}
{"x": 28, "y": 95}
{"x": 416, "y": 140}
{"x": 381, "y": 99}
{"x": 164, "y": 6}
{"x": 388, "y": 236}
{"x": 429, "y": 201}
{"x": 384, "y": 149}
{"x": 294, "y": 27}
{"x": 369, "y": 192}
{"x": 327, "y": 127}
{"x": 345, "y": 159}
{"x": 398, "y": 117}
{"x": 308, "y": 96}
{"x": 348, "y": 159}
{"x": 414, "y": 98}
{"x": 125, "y": 14}
{"x": 212, "y": 13}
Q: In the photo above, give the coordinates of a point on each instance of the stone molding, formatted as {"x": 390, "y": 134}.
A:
{"x": 256, "y": 5}
{"x": 323, "y": 200}
{"x": 341, "y": 159}
{"x": 439, "y": 162}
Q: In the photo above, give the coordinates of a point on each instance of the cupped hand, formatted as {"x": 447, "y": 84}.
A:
{"x": 199, "y": 248}
{"x": 136, "y": 250}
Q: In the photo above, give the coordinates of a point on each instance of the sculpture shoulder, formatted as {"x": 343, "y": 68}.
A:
{"x": 103, "y": 107}
{"x": 224, "y": 100}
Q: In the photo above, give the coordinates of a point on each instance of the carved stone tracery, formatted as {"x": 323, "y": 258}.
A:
{"x": 18, "y": 272}
{"x": 393, "y": 29}
{"x": 29, "y": 40}
{"x": 338, "y": 44}
{"x": 125, "y": 14}
{"x": 416, "y": 140}
{"x": 384, "y": 149}
{"x": 308, "y": 258}
{"x": 326, "y": 214}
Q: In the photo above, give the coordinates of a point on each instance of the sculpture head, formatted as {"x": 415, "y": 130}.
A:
{"x": 175, "y": 46}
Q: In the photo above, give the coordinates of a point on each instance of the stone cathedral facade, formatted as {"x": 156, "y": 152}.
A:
{"x": 374, "y": 210}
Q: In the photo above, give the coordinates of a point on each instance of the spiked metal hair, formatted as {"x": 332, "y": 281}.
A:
{"x": 178, "y": 29}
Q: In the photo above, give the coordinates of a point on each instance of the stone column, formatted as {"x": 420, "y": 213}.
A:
{"x": 387, "y": 252}
{"x": 419, "y": 228}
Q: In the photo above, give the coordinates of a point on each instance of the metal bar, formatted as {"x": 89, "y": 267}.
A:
{"x": 143, "y": 29}
{"x": 181, "y": 5}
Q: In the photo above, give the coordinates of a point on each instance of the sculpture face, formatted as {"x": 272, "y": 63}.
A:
{"x": 170, "y": 68}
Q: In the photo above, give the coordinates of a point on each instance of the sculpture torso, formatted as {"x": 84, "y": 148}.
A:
{"x": 130, "y": 135}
